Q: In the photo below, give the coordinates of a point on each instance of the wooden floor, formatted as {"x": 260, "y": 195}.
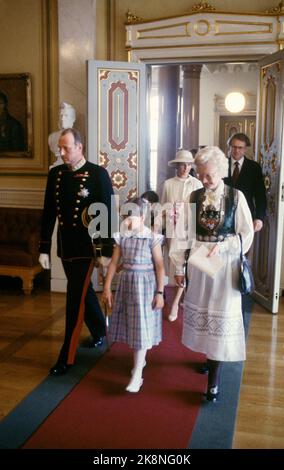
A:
{"x": 32, "y": 332}
{"x": 260, "y": 421}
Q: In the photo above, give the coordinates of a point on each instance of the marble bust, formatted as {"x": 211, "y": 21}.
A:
{"x": 66, "y": 119}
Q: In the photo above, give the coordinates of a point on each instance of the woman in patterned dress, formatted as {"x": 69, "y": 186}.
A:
{"x": 136, "y": 316}
{"x": 213, "y": 321}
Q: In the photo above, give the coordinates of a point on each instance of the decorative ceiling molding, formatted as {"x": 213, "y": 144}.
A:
{"x": 205, "y": 32}
{"x": 230, "y": 68}
{"x": 202, "y": 7}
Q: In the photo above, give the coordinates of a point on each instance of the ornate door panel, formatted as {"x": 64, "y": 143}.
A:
{"x": 116, "y": 128}
{"x": 116, "y": 123}
{"x": 270, "y": 148}
{"x": 229, "y": 125}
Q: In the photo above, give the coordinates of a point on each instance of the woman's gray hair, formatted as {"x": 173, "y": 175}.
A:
{"x": 215, "y": 156}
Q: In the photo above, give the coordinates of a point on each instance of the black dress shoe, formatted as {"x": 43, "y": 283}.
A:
{"x": 60, "y": 368}
{"x": 92, "y": 342}
{"x": 98, "y": 342}
{"x": 213, "y": 394}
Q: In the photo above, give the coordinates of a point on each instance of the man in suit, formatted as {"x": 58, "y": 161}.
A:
{"x": 70, "y": 190}
{"x": 246, "y": 175}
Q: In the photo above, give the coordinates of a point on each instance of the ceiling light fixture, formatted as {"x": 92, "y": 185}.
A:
{"x": 235, "y": 102}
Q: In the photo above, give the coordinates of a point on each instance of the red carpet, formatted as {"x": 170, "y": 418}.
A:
{"x": 100, "y": 414}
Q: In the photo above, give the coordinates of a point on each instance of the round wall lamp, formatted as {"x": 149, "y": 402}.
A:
{"x": 235, "y": 102}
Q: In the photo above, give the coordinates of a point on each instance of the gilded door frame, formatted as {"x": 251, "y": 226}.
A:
{"x": 268, "y": 242}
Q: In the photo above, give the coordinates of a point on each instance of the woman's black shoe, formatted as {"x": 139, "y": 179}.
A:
{"x": 59, "y": 368}
{"x": 92, "y": 342}
{"x": 202, "y": 368}
{"x": 213, "y": 394}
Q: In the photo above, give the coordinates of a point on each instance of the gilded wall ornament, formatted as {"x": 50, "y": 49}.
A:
{"x": 274, "y": 163}
{"x": 279, "y": 9}
{"x": 132, "y": 19}
{"x": 267, "y": 182}
{"x": 202, "y": 6}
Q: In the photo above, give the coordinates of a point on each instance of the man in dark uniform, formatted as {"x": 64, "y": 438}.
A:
{"x": 246, "y": 175}
{"x": 71, "y": 189}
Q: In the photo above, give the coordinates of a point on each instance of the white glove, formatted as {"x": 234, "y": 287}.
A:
{"x": 44, "y": 260}
{"x": 104, "y": 261}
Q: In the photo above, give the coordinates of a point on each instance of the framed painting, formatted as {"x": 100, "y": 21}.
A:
{"x": 16, "y": 133}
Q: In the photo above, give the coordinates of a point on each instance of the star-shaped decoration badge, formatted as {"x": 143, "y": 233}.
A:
{"x": 84, "y": 192}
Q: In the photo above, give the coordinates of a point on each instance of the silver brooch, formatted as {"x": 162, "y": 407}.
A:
{"x": 84, "y": 192}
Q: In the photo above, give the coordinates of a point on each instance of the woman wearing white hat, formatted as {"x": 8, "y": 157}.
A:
{"x": 177, "y": 190}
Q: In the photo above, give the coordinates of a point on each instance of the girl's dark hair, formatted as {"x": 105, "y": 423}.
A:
{"x": 150, "y": 196}
{"x": 136, "y": 207}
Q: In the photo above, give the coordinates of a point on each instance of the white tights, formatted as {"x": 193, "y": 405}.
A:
{"x": 139, "y": 363}
{"x": 174, "y": 309}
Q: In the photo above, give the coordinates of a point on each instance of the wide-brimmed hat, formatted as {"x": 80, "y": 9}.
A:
{"x": 182, "y": 156}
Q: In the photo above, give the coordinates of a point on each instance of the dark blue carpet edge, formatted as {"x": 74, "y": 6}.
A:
{"x": 26, "y": 417}
{"x": 215, "y": 424}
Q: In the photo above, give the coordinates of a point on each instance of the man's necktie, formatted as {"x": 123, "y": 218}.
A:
{"x": 235, "y": 173}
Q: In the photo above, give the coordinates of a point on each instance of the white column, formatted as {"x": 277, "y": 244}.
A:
{"x": 168, "y": 83}
{"x": 191, "y": 93}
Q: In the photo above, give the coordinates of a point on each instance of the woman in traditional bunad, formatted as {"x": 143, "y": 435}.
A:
{"x": 176, "y": 191}
{"x": 213, "y": 321}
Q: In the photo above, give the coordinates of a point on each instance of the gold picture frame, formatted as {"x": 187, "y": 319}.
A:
{"x": 16, "y": 129}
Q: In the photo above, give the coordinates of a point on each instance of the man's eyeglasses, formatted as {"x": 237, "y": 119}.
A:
{"x": 236, "y": 147}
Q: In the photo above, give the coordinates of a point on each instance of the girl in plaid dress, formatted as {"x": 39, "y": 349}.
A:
{"x": 136, "y": 315}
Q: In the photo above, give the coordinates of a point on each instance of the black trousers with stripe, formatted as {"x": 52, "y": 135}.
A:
{"x": 81, "y": 305}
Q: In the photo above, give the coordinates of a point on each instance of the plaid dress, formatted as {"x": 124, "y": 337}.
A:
{"x": 133, "y": 319}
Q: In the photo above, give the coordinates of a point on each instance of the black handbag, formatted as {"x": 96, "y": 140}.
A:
{"x": 246, "y": 282}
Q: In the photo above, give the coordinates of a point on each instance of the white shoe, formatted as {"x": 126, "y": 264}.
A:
{"x": 134, "y": 385}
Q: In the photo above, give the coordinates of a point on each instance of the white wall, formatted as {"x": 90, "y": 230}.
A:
{"x": 221, "y": 79}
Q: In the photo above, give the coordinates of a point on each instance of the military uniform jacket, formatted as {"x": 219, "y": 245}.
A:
{"x": 68, "y": 195}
